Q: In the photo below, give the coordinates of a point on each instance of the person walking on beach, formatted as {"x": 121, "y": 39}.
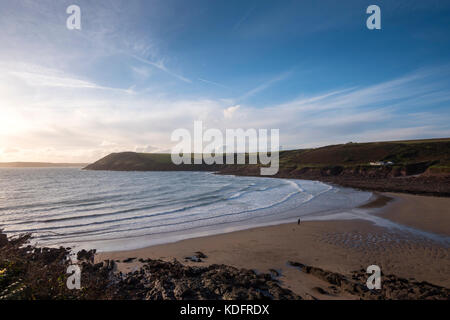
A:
{"x": 298, "y": 222}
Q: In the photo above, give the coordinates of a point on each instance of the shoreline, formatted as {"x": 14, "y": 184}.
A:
{"x": 287, "y": 216}
{"x": 340, "y": 246}
{"x": 432, "y": 185}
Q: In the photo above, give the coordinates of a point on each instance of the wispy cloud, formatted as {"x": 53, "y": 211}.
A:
{"x": 36, "y": 34}
{"x": 141, "y": 71}
{"x": 213, "y": 83}
{"x": 265, "y": 85}
{"x": 43, "y": 121}
{"x": 160, "y": 65}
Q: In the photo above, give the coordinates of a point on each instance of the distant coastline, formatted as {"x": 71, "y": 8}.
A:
{"x": 41, "y": 165}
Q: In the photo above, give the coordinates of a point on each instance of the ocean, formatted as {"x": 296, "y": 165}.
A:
{"x": 112, "y": 211}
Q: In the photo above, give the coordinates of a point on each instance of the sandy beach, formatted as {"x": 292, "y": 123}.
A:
{"x": 338, "y": 246}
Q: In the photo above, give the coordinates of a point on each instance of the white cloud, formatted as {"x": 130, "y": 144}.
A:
{"x": 52, "y": 123}
{"x": 228, "y": 112}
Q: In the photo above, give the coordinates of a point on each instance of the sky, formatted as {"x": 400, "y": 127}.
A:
{"x": 138, "y": 70}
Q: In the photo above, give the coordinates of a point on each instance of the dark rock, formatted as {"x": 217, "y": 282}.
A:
{"x": 201, "y": 255}
{"x": 320, "y": 290}
{"x": 3, "y": 239}
{"x": 197, "y": 257}
{"x": 274, "y": 273}
{"x": 86, "y": 255}
{"x": 172, "y": 280}
{"x": 193, "y": 259}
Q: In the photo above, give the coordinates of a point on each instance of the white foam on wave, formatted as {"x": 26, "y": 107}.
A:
{"x": 114, "y": 210}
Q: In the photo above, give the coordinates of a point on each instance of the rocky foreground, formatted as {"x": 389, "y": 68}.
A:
{"x": 393, "y": 287}
{"x": 27, "y": 272}
{"x": 158, "y": 280}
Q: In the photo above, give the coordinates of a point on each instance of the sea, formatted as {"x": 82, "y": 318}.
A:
{"x": 113, "y": 211}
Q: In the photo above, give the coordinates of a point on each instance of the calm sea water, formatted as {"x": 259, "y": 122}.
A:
{"x": 127, "y": 210}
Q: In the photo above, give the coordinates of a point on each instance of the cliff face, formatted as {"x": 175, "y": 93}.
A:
{"x": 421, "y": 167}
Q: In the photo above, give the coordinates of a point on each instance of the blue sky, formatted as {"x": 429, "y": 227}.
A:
{"x": 137, "y": 70}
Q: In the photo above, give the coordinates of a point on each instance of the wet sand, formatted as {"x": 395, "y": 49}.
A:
{"x": 338, "y": 246}
{"x": 421, "y": 212}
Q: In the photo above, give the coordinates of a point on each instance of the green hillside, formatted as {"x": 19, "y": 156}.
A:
{"x": 434, "y": 153}
{"x": 414, "y": 166}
